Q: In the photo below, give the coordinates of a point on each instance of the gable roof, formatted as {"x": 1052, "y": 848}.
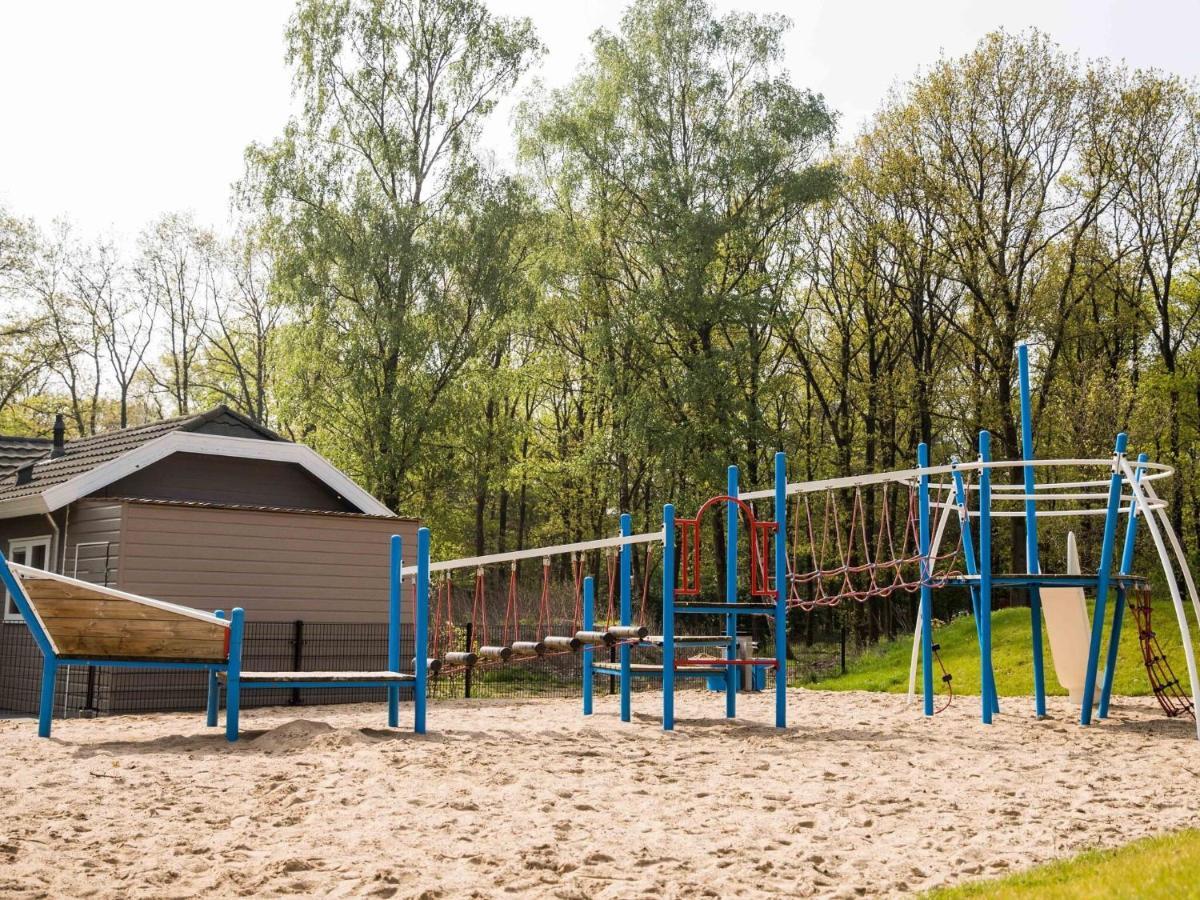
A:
{"x": 89, "y": 464}
{"x": 84, "y": 454}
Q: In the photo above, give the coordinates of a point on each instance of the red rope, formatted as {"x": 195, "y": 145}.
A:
{"x": 479, "y": 614}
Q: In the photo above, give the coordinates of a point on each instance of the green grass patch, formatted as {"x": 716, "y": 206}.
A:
{"x": 885, "y": 668}
{"x": 1159, "y": 867}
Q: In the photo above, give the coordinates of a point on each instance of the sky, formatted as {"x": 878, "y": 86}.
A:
{"x": 114, "y": 112}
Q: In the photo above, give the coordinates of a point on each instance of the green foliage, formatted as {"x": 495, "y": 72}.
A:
{"x": 1156, "y": 868}
{"x": 885, "y": 668}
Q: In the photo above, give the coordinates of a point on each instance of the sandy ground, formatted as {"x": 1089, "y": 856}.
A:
{"x": 859, "y": 796}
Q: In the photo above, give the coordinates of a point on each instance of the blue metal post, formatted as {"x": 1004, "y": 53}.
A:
{"x": 988, "y": 698}
{"x": 926, "y": 590}
{"x": 233, "y": 674}
{"x": 589, "y": 623}
{"x": 46, "y": 709}
{"x": 214, "y": 687}
{"x": 627, "y": 614}
{"x": 1032, "y": 563}
{"x": 1102, "y": 579}
{"x": 781, "y": 590}
{"x": 1119, "y": 613}
{"x": 731, "y": 582}
{"x": 422, "y": 642}
{"x": 968, "y": 542}
{"x": 394, "y": 583}
{"x": 668, "y": 614}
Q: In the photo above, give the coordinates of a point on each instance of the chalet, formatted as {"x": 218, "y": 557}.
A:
{"x": 209, "y": 510}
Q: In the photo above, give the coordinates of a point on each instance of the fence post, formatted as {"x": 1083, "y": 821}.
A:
{"x": 297, "y": 656}
{"x": 467, "y": 673}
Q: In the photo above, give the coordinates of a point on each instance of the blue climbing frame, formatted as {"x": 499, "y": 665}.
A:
{"x": 981, "y": 580}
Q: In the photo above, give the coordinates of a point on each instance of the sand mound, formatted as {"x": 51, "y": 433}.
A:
{"x": 297, "y": 734}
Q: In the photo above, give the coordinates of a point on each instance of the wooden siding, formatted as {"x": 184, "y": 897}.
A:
{"x": 229, "y": 480}
{"x": 87, "y": 623}
{"x": 95, "y": 524}
{"x": 278, "y": 566}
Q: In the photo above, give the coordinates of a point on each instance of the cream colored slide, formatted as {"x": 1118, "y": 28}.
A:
{"x": 1067, "y": 623}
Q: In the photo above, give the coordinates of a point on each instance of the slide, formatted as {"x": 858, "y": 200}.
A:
{"x": 1066, "y": 614}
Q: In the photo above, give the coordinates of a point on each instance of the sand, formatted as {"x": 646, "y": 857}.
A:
{"x": 860, "y": 796}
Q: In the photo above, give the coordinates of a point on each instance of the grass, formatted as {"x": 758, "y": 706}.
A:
{"x": 885, "y": 668}
{"x": 1160, "y": 867}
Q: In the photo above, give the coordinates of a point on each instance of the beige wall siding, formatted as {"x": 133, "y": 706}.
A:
{"x": 96, "y": 524}
{"x": 278, "y": 566}
{"x": 235, "y": 481}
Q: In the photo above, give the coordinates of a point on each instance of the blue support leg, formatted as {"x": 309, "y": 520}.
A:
{"x": 668, "y": 651}
{"x": 421, "y": 688}
{"x": 731, "y": 576}
{"x": 988, "y": 699}
{"x": 1114, "y": 640}
{"x": 589, "y": 624}
{"x": 46, "y": 707}
{"x": 781, "y": 590}
{"x": 214, "y": 688}
{"x": 233, "y": 675}
{"x": 1102, "y": 581}
{"x": 1033, "y": 564}
{"x": 394, "y": 582}
{"x": 627, "y": 615}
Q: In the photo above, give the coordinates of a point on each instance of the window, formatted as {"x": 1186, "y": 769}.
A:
{"x": 33, "y": 552}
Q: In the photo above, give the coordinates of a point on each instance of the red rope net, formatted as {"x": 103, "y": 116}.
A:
{"x": 844, "y": 563}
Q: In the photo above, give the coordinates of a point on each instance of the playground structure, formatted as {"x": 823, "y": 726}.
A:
{"x": 831, "y": 518}
{"x": 884, "y": 544}
{"x": 77, "y": 623}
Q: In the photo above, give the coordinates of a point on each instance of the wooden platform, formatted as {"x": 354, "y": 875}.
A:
{"x": 692, "y": 640}
{"x": 331, "y": 678}
{"x": 94, "y": 622}
{"x": 644, "y": 670}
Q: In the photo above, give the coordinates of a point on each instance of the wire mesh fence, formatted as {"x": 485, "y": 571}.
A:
{"x": 310, "y": 646}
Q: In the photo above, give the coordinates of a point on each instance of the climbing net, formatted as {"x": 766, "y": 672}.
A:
{"x": 859, "y": 543}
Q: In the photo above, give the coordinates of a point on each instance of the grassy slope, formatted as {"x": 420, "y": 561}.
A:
{"x": 885, "y": 668}
{"x": 1160, "y": 867}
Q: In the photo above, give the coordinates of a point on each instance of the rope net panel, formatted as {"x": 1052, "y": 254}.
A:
{"x": 1165, "y": 684}
{"x": 848, "y": 545}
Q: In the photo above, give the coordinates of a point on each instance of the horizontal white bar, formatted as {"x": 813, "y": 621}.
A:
{"x": 910, "y": 476}
{"x": 474, "y": 562}
{"x": 1044, "y": 513}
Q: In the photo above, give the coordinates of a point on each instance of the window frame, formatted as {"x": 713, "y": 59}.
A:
{"x": 11, "y": 613}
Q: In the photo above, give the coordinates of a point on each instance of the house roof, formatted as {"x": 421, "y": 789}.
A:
{"x": 17, "y": 451}
{"x": 85, "y": 454}
{"x": 90, "y": 464}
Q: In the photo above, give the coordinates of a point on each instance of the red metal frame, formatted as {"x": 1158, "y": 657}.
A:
{"x": 689, "y": 549}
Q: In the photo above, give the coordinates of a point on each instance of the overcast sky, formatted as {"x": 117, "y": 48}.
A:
{"x": 114, "y": 111}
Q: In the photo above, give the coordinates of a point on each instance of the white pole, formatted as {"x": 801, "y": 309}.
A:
{"x": 916, "y": 650}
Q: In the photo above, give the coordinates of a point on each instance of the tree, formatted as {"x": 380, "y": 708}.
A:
{"x": 240, "y": 334}
{"x": 124, "y": 325}
{"x": 396, "y": 246}
{"x": 179, "y": 278}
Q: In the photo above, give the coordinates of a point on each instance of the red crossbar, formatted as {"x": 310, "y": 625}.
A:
{"x": 701, "y": 661}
